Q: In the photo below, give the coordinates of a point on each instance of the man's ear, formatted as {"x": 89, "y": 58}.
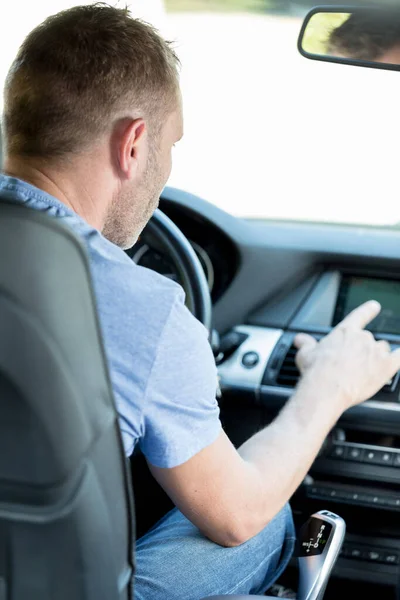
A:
{"x": 131, "y": 146}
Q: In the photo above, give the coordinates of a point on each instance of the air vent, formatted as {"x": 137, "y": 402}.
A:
{"x": 288, "y": 374}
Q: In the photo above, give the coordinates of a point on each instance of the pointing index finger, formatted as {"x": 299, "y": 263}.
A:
{"x": 361, "y": 316}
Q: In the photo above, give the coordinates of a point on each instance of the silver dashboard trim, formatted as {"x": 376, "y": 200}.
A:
{"x": 368, "y": 404}
{"x": 260, "y": 340}
{"x": 389, "y": 406}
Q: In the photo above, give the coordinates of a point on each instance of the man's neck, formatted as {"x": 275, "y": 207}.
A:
{"x": 77, "y": 193}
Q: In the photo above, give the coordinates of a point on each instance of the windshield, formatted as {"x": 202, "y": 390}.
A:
{"x": 268, "y": 133}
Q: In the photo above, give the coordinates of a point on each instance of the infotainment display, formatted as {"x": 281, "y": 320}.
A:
{"x": 354, "y": 291}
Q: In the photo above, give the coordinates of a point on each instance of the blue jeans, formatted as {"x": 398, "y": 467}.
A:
{"x": 174, "y": 561}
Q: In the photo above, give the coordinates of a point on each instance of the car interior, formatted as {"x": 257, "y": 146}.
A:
{"x": 67, "y": 494}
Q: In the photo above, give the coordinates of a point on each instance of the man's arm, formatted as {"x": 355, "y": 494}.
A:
{"x": 231, "y": 495}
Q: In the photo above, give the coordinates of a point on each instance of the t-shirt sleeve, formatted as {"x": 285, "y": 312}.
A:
{"x": 181, "y": 412}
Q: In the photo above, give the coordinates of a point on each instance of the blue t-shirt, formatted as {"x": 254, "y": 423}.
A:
{"x": 161, "y": 364}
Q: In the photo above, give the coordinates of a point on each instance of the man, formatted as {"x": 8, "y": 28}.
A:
{"x": 92, "y": 111}
{"x": 368, "y": 35}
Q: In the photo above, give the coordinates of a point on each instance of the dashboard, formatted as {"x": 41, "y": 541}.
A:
{"x": 270, "y": 280}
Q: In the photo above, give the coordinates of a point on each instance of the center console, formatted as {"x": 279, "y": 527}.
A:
{"x": 357, "y": 472}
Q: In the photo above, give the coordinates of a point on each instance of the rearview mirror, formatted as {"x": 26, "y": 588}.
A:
{"x": 367, "y": 37}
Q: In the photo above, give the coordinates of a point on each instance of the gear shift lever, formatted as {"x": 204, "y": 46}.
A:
{"x": 318, "y": 547}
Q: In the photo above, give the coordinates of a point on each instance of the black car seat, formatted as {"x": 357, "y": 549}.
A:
{"x": 66, "y": 510}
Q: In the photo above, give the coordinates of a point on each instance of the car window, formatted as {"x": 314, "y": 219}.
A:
{"x": 268, "y": 134}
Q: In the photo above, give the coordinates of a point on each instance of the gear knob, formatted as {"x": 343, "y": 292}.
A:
{"x": 318, "y": 546}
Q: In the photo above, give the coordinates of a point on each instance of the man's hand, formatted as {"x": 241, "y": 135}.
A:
{"x": 348, "y": 360}
{"x": 231, "y": 495}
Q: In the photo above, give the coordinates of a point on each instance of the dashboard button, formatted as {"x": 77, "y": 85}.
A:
{"x": 337, "y": 451}
{"x": 334, "y": 494}
{"x": 376, "y": 500}
{"x": 370, "y": 456}
{"x": 394, "y": 502}
{"x": 396, "y": 460}
{"x": 315, "y": 491}
{"x": 385, "y": 458}
{"x": 374, "y": 556}
{"x": 378, "y": 457}
{"x": 359, "y": 497}
{"x": 354, "y": 453}
{"x": 355, "y": 553}
{"x": 250, "y": 359}
{"x": 391, "y": 558}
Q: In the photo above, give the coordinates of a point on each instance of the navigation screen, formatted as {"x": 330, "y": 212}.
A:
{"x": 357, "y": 290}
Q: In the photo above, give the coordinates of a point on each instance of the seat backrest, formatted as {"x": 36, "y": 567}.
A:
{"x": 66, "y": 512}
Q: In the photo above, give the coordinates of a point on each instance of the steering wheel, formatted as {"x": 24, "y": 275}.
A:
{"x": 184, "y": 258}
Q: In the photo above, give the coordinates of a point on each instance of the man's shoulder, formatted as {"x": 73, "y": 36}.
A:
{"x": 123, "y": 284}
